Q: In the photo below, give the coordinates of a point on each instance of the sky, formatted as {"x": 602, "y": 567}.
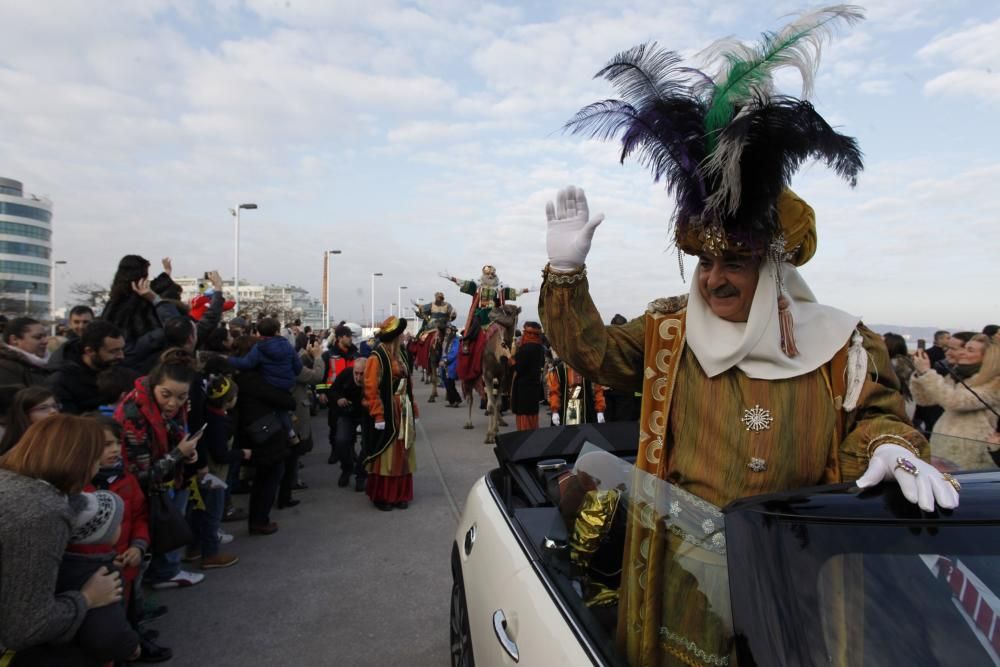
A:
{"x": 425, "y": 137}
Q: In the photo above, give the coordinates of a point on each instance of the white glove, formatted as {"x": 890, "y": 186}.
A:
{"x": 379, "y": 426}
{"x": 555, "y": 419}
{"x": 600, "y": 417}
{"x": 570, "y": 229}
{"x": 923, "y": 488}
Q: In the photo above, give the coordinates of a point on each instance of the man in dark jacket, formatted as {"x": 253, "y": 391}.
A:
{"x": 347, "y": 413}
{"x": 341, "y": 355}
{"x": 258, "y": 401}
{"x": 75, "y": 383}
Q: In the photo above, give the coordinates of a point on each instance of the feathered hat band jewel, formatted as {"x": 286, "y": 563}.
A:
{"x": 725, "y": 142}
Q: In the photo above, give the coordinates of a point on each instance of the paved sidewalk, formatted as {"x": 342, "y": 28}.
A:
{"x": 340, "y": 583}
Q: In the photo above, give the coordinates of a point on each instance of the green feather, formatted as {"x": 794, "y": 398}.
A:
{"x": 750, "y": 68}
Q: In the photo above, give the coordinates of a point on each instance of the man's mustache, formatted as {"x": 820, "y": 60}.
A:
{"x": 724, "y": 292}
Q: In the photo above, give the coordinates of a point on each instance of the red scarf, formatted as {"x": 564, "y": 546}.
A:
{"x": 165, "y": 433}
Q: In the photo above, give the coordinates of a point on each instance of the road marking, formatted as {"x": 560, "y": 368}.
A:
{"x": 440, "y": 474}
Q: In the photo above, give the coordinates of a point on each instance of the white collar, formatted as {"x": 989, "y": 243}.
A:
{"x": 754, "y": 346}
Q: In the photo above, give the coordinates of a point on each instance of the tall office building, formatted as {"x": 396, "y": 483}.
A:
{"x": 25, "y": 251}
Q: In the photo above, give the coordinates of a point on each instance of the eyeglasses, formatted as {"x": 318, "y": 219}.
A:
{"x": 47, "y": 407}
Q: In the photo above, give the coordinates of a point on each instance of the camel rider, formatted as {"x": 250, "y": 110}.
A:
{"x": 573, "y": 398}
{"x": 486, "y": 295}
{"x": 749, "y": 386}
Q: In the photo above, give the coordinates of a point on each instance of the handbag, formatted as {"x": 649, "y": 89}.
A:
{"x": 263, "y": 428}
{"x": 168, "y": 527}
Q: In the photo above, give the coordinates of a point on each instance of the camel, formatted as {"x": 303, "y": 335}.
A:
{"x": 495, "y": 362}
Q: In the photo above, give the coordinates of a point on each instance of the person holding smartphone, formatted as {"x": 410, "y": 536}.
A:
{"x": 156, "y": 446}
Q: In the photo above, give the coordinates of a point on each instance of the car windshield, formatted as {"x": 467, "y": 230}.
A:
{"x": 608, "y": 511}
{"x": 828, "y": 593}
{"x": 890, "y": 594}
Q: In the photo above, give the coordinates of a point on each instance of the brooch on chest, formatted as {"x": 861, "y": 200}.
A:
{"x": 757, "y": 418}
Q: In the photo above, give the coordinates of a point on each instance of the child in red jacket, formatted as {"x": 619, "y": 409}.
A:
{"x": 133, "y": 540}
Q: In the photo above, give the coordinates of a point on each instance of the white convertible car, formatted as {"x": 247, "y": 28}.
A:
{"x": 537, "y": 559}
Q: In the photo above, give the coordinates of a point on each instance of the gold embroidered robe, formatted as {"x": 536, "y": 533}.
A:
{"x": 692, "y": 435}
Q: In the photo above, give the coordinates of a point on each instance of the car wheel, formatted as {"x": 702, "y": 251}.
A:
{"x": 461, "y": 639}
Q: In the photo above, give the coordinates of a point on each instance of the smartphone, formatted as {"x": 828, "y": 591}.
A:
{"x": 198, "y": 432}
{"x": 921, "y": 344}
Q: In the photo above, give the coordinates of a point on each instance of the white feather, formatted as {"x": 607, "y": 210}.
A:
{"x": 857, "y": 371}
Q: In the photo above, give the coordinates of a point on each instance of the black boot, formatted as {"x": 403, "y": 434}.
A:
{"x": 153, "y": 652}
{"x": 344, "y": 479}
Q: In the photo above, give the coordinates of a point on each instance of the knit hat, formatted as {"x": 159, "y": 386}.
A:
{"x": 343, "y": 330}
{"x": 98, "y": 518}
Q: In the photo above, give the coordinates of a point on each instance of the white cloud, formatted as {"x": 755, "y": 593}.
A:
{"x": 973, "y": 52}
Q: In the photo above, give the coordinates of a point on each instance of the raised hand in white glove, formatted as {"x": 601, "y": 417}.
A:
{"x": 600, "y": 417}
{"x": 570, "y": 229}
{"x": 379, "y": 426}
{"x": 555, "y": 419}
{"x": 923, "y": 488}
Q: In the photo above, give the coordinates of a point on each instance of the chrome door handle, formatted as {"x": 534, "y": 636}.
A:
{"x": 500, "y": 627}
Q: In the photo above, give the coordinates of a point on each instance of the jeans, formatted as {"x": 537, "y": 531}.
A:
{"x": 205, "y": 523}
{"x": 345, "y": 435}
{"x": 263, "y": 490}
{"x": 166, "y": 566}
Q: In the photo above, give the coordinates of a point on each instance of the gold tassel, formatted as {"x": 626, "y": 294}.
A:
{"x": 786, "y": 326}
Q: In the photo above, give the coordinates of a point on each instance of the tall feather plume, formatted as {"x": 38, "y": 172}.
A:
{"x": 750, "y": 67}
{"x": 748, "y": 76}
{"x": 659, "y": 118}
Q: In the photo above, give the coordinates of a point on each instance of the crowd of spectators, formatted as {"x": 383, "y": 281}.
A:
{"x": 952, "y": 389}
{"x": 124, "y": 439}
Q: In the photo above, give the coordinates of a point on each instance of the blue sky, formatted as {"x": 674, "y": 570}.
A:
{"x": 425, "y": 137}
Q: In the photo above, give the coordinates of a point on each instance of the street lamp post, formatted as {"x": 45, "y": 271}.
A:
{"x": 236, "y": 272}
{"x": 373, "y": 297}
{"x": 327, "y": 301}
{"x": 399, "y": 300}
{"x": 53, "y": 304}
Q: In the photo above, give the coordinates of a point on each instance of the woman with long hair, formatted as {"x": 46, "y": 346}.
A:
{"x": 389, "y": 396}
{"x": 961, "y": 433}
{"x": 127, "y": 309}
{"x": 53, "y": 461}
{"x": 156, "y": 445}
{"x": 30, "y": 405}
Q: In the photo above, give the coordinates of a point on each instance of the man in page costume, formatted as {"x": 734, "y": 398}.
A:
{"x": 748, "y": 384}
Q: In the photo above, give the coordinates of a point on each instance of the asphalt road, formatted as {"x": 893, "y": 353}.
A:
{"x": 340, "y": 583}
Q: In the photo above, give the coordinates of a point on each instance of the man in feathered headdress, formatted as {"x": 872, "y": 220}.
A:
{"x": 748, "y": 385}
{"x": 486, "y": 295}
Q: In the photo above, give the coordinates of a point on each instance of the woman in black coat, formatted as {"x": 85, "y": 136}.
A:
{"x": 526, "y": 390}
{"x": 258, "y": 403}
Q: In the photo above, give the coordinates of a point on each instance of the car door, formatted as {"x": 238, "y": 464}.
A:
{"x": 513, "y": 619}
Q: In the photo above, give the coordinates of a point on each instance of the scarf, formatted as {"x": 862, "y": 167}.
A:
{"x": 754, "y": 346}
{"x": 32, "y": 359}
{"x": 531, "y": 336}
{"x": 966, "y": 371}
{"x": 106, "y": 476}
{"x": 139, "y": 412}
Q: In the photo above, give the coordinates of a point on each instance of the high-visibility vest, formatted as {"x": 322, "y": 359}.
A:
{"x": 334, "y": 365}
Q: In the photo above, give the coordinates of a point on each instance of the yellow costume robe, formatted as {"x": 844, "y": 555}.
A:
{"x": 693, "y": 435}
